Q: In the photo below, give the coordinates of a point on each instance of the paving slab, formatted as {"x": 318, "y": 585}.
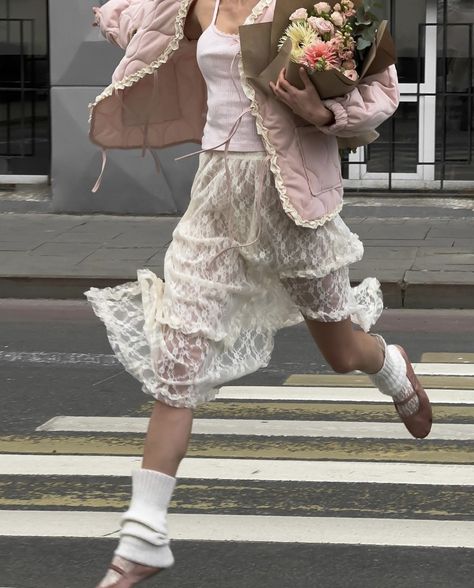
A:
{"x": 435, "y": 277}
{"x": 399, "y": 231}
{"x": 388, "y": 252}
{"x": 460, "y": 230}
{"x": 469, "y": 243}
{"x": 437, "y": 242}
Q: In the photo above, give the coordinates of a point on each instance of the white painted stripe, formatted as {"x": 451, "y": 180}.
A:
{"x": 441, "y": 369}
{"x": 247, "y": 528}
{"x": 100, "y": 359}
{"x": 433, "y": 369}
{"x": 246, "y": 469}
{"x": 272, "y": 428}
{"x": 444, "y": 369}
{"x": 335, "y": 394}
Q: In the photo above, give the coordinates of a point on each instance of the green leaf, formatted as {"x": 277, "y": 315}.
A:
{"x": 369, "y": 33}
{"x": 363, "y": 43}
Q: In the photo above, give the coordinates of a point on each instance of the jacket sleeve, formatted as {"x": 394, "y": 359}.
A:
{"x": 118, "y": 20}
{"x": 366, "y": 107}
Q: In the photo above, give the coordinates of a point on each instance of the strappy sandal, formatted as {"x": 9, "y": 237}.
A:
{"x": 130, "y": 578}
{"x": 418, "y": 424}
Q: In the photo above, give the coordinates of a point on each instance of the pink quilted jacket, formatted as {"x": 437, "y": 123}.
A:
{"x": 158, "y": 98}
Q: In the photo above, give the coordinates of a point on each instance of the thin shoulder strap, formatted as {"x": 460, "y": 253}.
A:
{"x": 214, "y": 16}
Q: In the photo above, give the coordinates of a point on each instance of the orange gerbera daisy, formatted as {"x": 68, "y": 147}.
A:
{"x": 321, "y": 56}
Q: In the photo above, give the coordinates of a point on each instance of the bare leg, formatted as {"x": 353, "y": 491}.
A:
{"x": 347, "y": 349}
{"x": 142, "y": 552}
{"x": 167, "y": 438}
{"x": 169, "y": 428}
{"x": 344, "y": 348}
{"x": 166, "y": 443}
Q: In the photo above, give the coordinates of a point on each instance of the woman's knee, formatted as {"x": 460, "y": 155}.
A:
{"x": 182, "y": 353}
{"x": 337, "y": 343}
{"x": 342, "y": 362}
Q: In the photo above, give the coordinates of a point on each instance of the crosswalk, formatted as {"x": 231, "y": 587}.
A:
{"x": 321, "y": 459}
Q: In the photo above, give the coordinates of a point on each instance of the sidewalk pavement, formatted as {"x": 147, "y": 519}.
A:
{"x": 421, "y": 250}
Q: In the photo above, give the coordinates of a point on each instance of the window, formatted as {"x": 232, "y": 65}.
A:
{"x": 24, "y": 88}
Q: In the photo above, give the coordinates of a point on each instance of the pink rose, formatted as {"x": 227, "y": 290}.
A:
{"x": 349, "y": 64}
{"x": 299, "y": 14}
{"x": 337, "y": 7}
{"x": 323, "y": 26}
{"x": 337, "y": 18}
{"x": 336, "y": 43}
{"x": 322, "y": 8}
{"x": 351, "y": 74}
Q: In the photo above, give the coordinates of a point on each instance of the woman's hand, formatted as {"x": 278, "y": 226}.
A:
{"x": 96, "y": 11}
{"x": 305, "y": 103}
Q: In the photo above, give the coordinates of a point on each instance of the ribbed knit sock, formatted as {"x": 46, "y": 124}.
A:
{"x": 144, "y": 531}
{"x": 392, "y": 378}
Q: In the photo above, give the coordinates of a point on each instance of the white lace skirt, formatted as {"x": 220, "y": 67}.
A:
{"x": 213, "y": 319}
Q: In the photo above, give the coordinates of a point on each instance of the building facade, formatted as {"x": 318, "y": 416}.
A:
{"x": 53, "y": 63}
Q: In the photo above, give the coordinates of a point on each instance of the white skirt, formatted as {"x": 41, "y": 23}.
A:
{"x": 213, "y": 319}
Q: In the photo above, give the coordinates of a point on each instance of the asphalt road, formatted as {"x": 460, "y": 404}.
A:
{"x": 290, "y": 511}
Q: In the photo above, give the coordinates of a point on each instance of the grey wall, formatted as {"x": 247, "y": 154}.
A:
{"x": 81, "y": 66}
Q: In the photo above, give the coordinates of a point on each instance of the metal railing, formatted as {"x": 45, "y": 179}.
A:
{"x": 449, "y": 149}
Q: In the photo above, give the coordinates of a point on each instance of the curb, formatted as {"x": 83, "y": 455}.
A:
{"x": 397, "y": 294}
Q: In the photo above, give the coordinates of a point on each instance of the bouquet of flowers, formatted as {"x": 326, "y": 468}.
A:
{"x": 339, "y": 48}
{"x": 338, "y": 43}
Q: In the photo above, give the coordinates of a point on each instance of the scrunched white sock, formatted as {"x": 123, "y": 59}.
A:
{"x": 144, "y": 532}
{"x": 392, "y": 378}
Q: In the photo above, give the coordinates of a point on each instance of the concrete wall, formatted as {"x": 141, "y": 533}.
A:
{"x": 81, "y": 66}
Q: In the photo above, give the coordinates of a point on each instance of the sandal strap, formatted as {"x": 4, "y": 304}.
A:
{"x": 405, "y": 400}
{"x": 117, "y": 569}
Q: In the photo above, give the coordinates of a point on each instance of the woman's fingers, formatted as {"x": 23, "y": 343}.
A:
{"x": 304, "y": 77}
{"x": 279, "y": 93}
{"x": 282, "y": 89}
{"x": 284, "y": 84}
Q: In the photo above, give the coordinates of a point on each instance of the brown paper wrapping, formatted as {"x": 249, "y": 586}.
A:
{"x": 262, "y": 62}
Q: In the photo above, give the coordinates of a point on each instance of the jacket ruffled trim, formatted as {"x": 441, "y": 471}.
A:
{"x": 132, "y": 79}
{"x": 263, "y": 131}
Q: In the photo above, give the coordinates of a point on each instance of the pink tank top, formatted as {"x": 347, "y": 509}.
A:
{"x": 216, "y": 54}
